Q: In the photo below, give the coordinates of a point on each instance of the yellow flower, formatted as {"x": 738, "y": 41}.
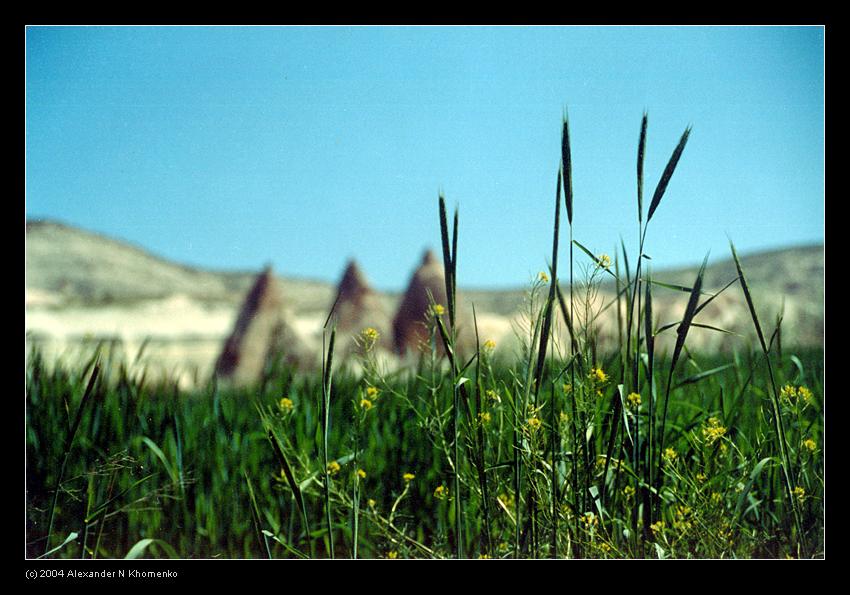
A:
{"x": 629, "y": 492}
{"x": 701, "y": 477}
{"x": 371, "y": 502}
{"x": 800, "y": 493}
{"x": 392, "y": 555}
{"x": 365, "y": 404}
{"x": 590, "y": 519}
{"x": 634, "y": 400}
{"x": 657, "y": 527}
{"x": 716, "y": 498}
{"x": 369, "y": 336}
{"x": 507, "y": 500}
{"x": 438, "y": 310}
{"x": 441, "y": 493}
{"x": 598, "y": 376}
{"x": 361, "y": 473}
{"x": 788, "y": 393}
{"x": 533, "y": 423}
{"x": 604, "y": 261}
{"x": 670, "y": 455}
{"x": 333, "y": 468}
{"x": 408, "y": 477}
{"x": 286, "y": 404}
{"x": 483, "y": 556}
{"x": 489, "y": 345}
{"x": 810, "y": 445}
{"x": 564, "y": 417}
{"x": 543, "y": 277}
{"x": 804, "y": 393}
{"x": 493, "y": 395}
{"x": 713, "y": 431}
{"x": 484, "y": 416}
{"x": 372, "y": 392}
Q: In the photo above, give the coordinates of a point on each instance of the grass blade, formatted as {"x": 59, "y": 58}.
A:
{"x": 668, "y": 173}
{"x": 640, "y": 155}
{"x": 290, "y": 479}
{"x": 69, "y": 443}
{"x": 567, "y": 168}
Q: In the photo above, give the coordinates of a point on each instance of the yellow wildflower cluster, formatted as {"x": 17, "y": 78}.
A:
{"x": 507, "y": 500}
{"x": 590, "y": 520}
{"x": 438, "y": 310}
{"x": 361, "y": 474}
{"x": 371, "y": 503}
{"x": 598, "y": 379}
{"x": 791, "y": 395}
{"x": 408, "y": 477}
{"x": 683, "y": 518}
{"x": 372, "y": 392}
{"x": 628, "y": 492}
{"x": 369, "y": 337}
{"x": 603, "y": 261}
{"x": 392, "y": 555}
{"x": 810, "y": 445}
{"x": 713, "y": 431}
{"x": 543, "y": 277}
{"x": 286, "y": 405}
{"x": 634, "y": 400}
{"x": 489, "y": 345}
{"x": 365, "y": 404}
{"x": 534, "y": 423}
{"x": 657, "y": 527}
{"x": 598, "y": 376}
{"x": 333, "y": 468}
{"x": 670, "y": 455}
{"x": 800, "y": 493}
{"x": 484, "y": 417}
{"x": 483, "y": 556}
{"x": 441, "y": 492}
{"x": 492, "y": 396}
{"x": 701, "y": 477}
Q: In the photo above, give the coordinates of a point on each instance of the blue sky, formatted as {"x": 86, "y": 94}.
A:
{"x": 302, "y": 147}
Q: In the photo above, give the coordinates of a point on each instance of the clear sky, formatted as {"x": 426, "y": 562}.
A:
{"x": 305, "y": 146}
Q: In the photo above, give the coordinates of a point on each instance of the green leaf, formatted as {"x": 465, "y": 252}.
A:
{"x": 161, "y": 456}
{"x": 141, "y": 546}
{"x": 71, "y": 537}
{"x": 742, "y": 497}
{"x": 702, "y": 375}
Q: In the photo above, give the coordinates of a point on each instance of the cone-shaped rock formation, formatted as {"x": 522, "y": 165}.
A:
{"x": 409, "y": 327}
{"x": 358, "y": 307}
{"x": 260, "y": 335}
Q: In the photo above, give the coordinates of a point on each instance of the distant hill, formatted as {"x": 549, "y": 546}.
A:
{"x": 71, "y": 266}
{"x": 82, "y": 286}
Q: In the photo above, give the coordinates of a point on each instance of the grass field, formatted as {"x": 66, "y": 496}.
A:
{"x": 552, "y": 450}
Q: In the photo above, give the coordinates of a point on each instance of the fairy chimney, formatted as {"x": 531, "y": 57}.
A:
{"x": 358, "y": 306}
{"x": 409, "y": 327}
{"x": 259, "y": 335}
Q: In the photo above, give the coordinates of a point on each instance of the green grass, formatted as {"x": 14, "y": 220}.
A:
{"x": 554, "y": 450}
{"x": 209, "y": 512}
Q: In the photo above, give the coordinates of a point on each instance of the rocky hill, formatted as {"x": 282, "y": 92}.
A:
{"x": 82, "y": 287}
